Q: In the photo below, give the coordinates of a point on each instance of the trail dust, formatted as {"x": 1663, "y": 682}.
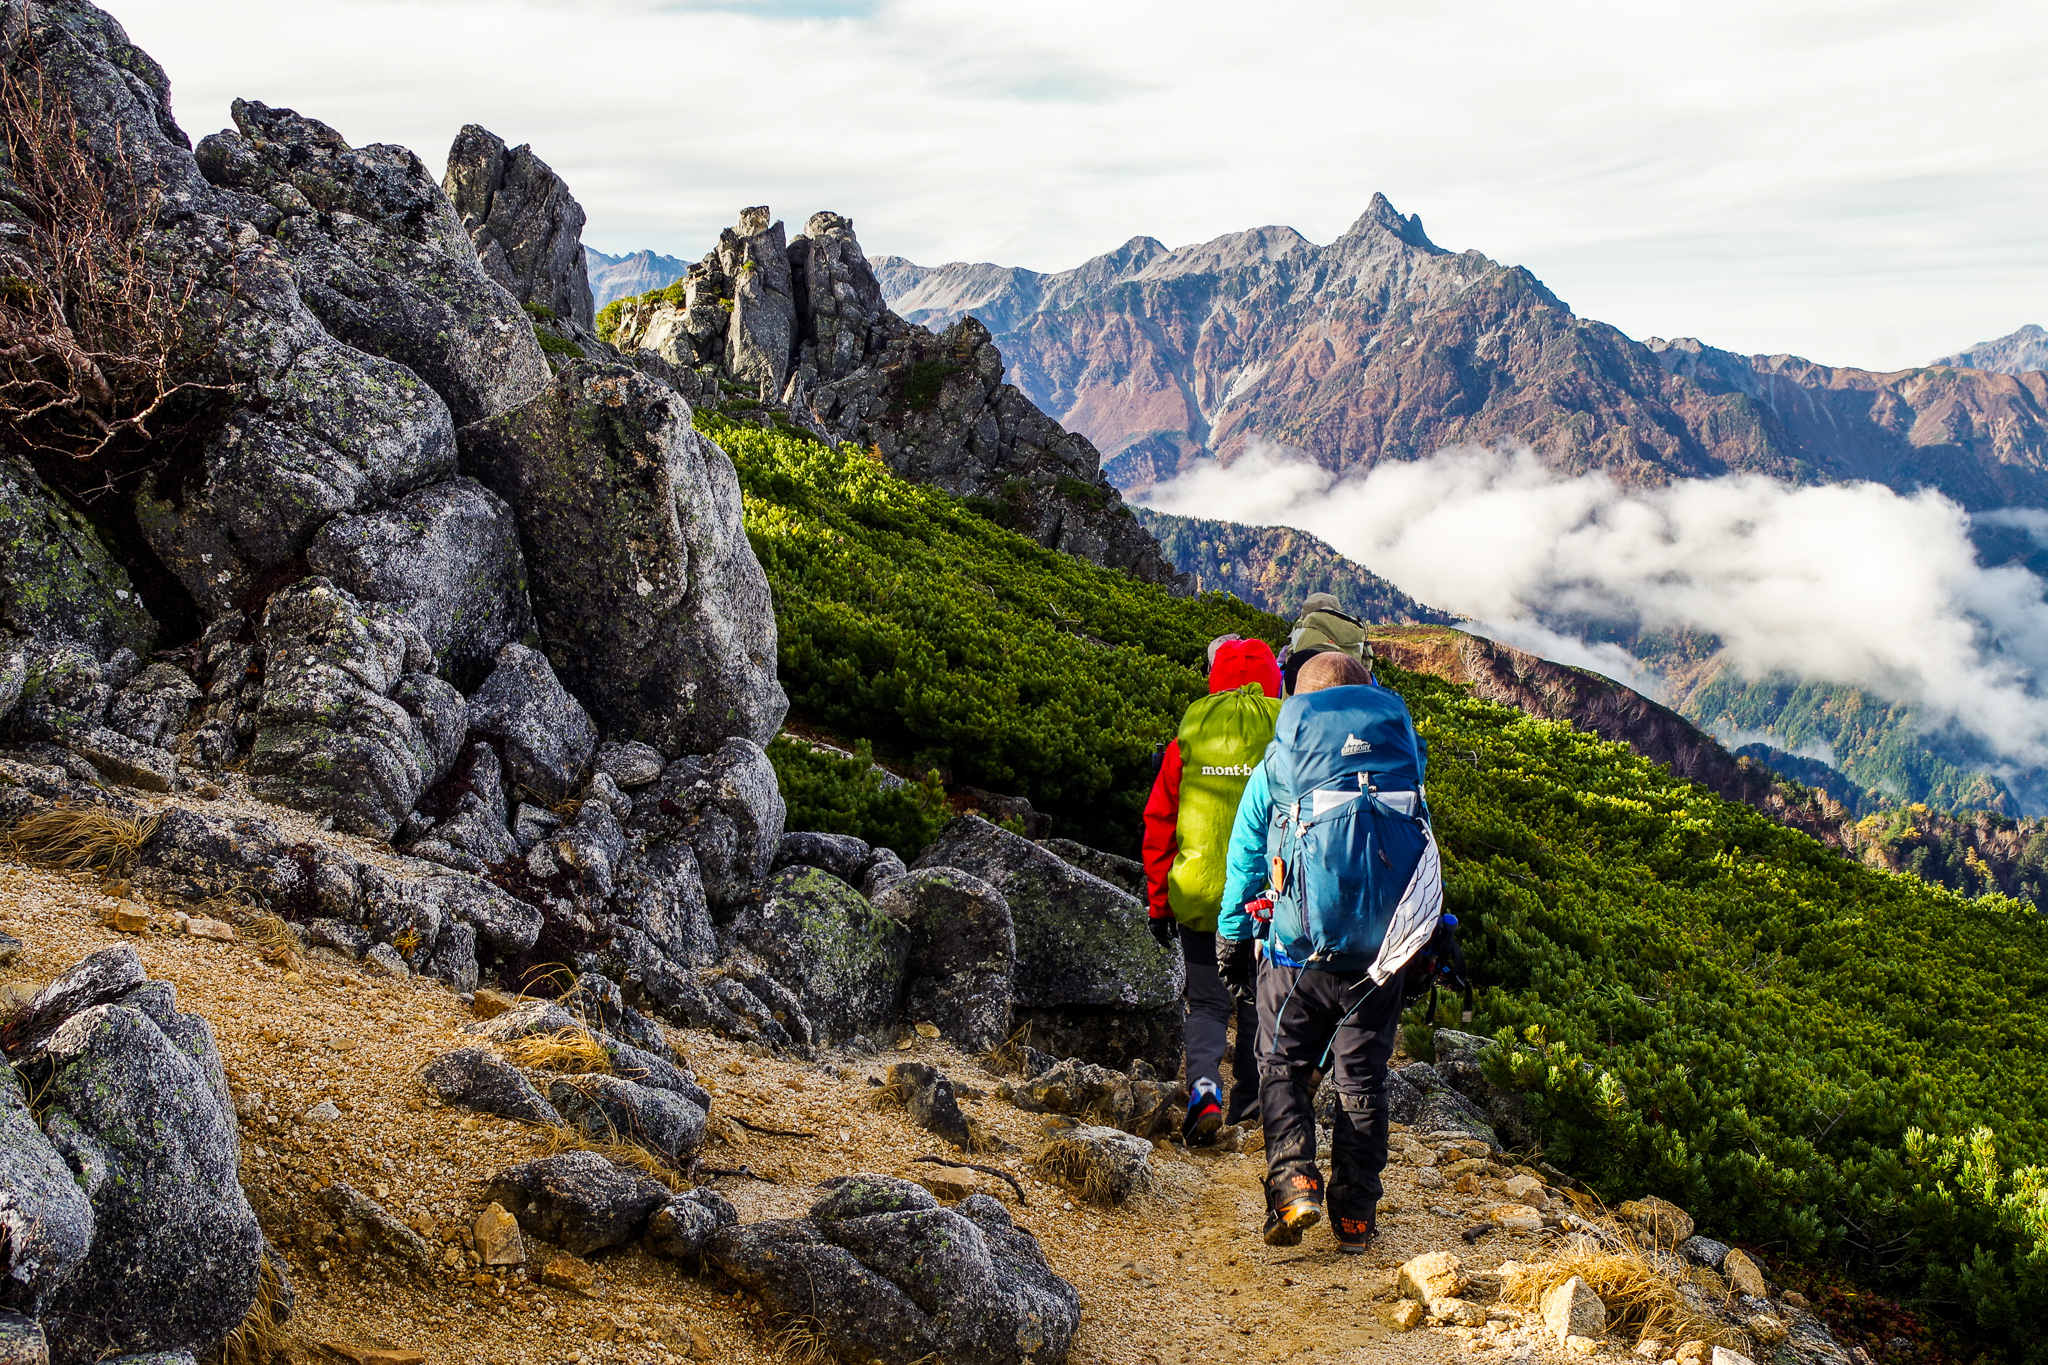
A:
{"x": 1178, "y": 1275}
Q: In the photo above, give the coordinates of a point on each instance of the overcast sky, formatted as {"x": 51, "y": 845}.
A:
{"x": 1861, "y": 182}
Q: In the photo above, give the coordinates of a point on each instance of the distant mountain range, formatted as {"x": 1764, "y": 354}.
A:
{"x": 1275, "y": 568}
{"x": 1383, "y": 345}
{"x": 2014, "y": 353}
{"x": 623, "y": 277}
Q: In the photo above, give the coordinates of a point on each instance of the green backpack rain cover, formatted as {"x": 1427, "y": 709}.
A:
{"x": 1222, "y": 738}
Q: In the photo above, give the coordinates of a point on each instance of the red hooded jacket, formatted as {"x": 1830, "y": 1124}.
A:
{"x": 1237, "y": 662}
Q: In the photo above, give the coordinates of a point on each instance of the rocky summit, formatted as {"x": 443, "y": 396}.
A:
{"x": 1383, "y": 345}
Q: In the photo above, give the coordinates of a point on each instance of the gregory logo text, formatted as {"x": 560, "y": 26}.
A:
{"x": 1354, "y": 746}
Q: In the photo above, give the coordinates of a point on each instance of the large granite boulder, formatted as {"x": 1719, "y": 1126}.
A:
{"x": 727, "y": 806}
{"x": 382, "y": 259}
{"x": 136, "y": 1102}
{"x": 527, "y": 227}
{"x": 838, "y": 955}
{"x": 658, "y": 890}
{"x": 885, "y": 1274}
{"x": 963, "y": 953}
{"x": 656, "y": 611}
{"x": 447, "y": 557}
{"x": 1089, "y": 980}
{"x": 331, "y": 737}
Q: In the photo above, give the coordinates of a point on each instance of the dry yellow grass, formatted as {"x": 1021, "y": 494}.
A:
{"x": 615, "y": 1149}
{"x": 77, "y": 838}
{"x": 1639, "y": 1299}
{"x": 273, "y": 940}
{"x": 573, "y": 1051}
{"x": 261, "y": 1336}
{"x": 1083, "y": 1169}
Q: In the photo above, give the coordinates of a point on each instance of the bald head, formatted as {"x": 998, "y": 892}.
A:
{"x": 1331, "y": 668}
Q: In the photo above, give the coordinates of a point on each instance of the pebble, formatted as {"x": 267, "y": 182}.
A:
{"x": 572, "y": 1273}
{"x": 323, "y": 1112}
{"x": 217, "y": 930}
{"x": 496, "y": 1237}
{"x": 129, "y": 918}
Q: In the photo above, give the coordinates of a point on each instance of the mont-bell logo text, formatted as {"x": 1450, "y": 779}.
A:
{"x": 1354, "y": 746}
{"x": 1226, "y": 770}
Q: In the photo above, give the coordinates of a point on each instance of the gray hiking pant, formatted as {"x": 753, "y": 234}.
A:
{"x": 1208, "y": 1028}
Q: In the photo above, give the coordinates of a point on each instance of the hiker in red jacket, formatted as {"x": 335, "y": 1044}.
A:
{"x": 1187, "y": 835}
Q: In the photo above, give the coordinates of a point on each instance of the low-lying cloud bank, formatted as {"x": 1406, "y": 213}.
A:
{"x": 1843, "y": 583}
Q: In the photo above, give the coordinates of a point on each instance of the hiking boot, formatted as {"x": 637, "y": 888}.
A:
{"x": 1285, "y": 1225}
{"x": 1205, "y": 1116}
{"x": 1353, "y": 1234}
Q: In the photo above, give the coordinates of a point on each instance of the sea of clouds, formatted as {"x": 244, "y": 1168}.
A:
{"x": 1841, "y": 583}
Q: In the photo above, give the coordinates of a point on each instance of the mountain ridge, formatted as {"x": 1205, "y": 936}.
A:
{"x": 1384, "y": 345}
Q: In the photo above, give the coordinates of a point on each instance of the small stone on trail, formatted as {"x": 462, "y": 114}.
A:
{"x": 210, "y": 928}
{"x": 1404, "y": 1316}
{"x": 490, "y": 1002}
{"x": 564, "y": 1271}
{"x": 1692, "y": 1353}
{"x": 1436, "y": 1275}
{"x": 1572, "y": 1309}
{"x": 323, "y": 1112}
{"x": 384, "y": 958}
{"x": 1724, "y": 1356}
{"x": 10, "y": 948}
{"x": 130, "y": 918}
{"x": 1457, "y": 1312}
{"x": 1582, "y": 1346}
{"x": 497, "y": 1237}
{"x": 1743, "y": 1275}
{"x": 1659, "y": 1221}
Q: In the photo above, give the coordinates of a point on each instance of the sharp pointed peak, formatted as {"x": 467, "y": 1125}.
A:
{"x": 1381, "y": 217}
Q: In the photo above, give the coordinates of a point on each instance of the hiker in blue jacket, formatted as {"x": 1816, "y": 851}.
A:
{"x": 1333, "y": 876}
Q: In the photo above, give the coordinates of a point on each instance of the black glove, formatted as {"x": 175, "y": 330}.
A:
{"x": 1238, "y": 962}
{"x": 1165, "y": 929}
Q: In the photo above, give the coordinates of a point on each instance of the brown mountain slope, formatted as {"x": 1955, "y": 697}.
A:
{"x": 1382, "y": 345}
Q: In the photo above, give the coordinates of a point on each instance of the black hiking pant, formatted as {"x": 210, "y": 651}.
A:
{"x": 1300, "y": 1010}
{"x": 1210, "y": 1014}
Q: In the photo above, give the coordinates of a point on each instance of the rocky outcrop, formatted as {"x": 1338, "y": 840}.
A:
{"x": 802, "y": 326}
{"x": 527, "y": 227}
{"x": 642, "y": 578}
{"x": 885, "y": 1274}
{"x": 2017, "y": 352}
{"x": 842, "y": 958}
{"x": 149, "y": 1244}
{"x": 1089, "y": 980}
{"x": 332, "y": 736}
{"x": 962, "y": 954}
{"x": 1382, "y": 345}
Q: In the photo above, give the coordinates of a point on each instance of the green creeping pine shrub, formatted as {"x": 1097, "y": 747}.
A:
{"x": 539, "y": 311}
{"x": 922, "y": 386}
{"x": 557, "y": 345}
{"x": 846, "y": 796}
{"x": 608, "y": 320}
{"x": 1704, "y": 1005}
{"x": 905, "y": 619}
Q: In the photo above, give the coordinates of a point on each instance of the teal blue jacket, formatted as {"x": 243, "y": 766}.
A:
{"x": 1245, "y": 873}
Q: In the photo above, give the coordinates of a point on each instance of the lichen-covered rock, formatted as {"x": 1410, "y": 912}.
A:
{"x": 685, "y": 1223}
{"x": 727, "y": 806}
{"x": 136, "y": 1102}
{"x": 963, "y": 953}
{"x": 589, "y": 847}
{"x": 630, "y": 764}
{"x": 330, "y": 738}
{"x": 1658, "y": 1222}
{"x": 889, "y": 1276}
{"x": 1125, "y": 874}
{"x": 447, "y": 557}
{"x": 546, "y": 735}
{"x": 527, "y": 227}
{"x": 477, "y": 1078}
{"x": 45, "y": 1216}
{"x": 638, "y": 565}
{"x": 657, "y": 890}
{"x": 1458, "y": 1061}
{"x": 1088, "y": 978}
{"x": 505, "y": 924}
{"x": 58, "y": 582}
{"x": 154, "y": 705}
{"x": 1444, "y": 1110}
{"x": 761, "y": 335}
{"x": 840, "y": 957}
{"x": 384, "y": 262}
{"x": 1102, "y": 1165}
{"x": 579, "y": 1200}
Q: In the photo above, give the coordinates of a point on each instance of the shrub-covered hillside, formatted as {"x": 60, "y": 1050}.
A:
{"x": 1830, "y": 1060}
{"x": 909, "y": 620}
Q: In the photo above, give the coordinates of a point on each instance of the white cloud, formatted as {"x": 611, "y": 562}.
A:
{"x": 1846, "y": 583}
{"x": 1860, "y": 181}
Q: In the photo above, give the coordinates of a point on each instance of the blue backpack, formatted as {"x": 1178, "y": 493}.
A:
{"x": 1354, "y": 875}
